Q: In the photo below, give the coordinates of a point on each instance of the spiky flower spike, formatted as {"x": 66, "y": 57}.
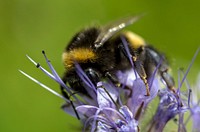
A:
{"x": 171, "y": 105}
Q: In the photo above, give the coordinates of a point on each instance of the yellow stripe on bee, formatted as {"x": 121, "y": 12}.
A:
{"x": 135, "y": 40}
{"x": 81, "y": 55}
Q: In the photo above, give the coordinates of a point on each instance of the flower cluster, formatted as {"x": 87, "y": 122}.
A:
{"x": 110, "y": 108}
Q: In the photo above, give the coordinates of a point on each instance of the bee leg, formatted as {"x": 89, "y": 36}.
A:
{"x": 140, "y": 70}
{"x": 113, "y": 79}
{"x": 168, "y": 80}
{"x": 159, "y": 59}
{"x": 117, "y": 83}
{"x": 138, "y": 67}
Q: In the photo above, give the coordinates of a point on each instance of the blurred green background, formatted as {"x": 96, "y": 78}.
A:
{"x": 30, "y": 26}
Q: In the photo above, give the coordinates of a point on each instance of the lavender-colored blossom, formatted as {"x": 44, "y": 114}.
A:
{"x": 116, "y": 117}
{"x": 168, "y": 108}
{"x": 107, "y": 116}
{"x": 109, "y": 107}
{"x": 172, "y": 104}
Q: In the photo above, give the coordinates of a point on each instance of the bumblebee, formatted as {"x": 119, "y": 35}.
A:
{"x": 100, "y": 52}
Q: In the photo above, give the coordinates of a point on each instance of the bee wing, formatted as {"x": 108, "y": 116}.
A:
{"x": 109, "y": 30}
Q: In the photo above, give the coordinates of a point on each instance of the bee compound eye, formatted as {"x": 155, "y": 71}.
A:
{"x": 93, "y": 75}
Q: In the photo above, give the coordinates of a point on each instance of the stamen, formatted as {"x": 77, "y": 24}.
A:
{"x": 41, "y": 68}
{"x": 62, "y": 83}
{"x": 44, "y": 86}
{"x": 98, "y": 117}
{"x": 95, "y": 120}
{"x": 189, "y": 97}
{"x": 57, "y": 79}
{"x": 84, "y": 77}
{"x": 188, "y": 69}
{"x": 154, "y": 73}
{"x": 125, "y": 43}
{"x": 179, "y": 81}
{"x": 38, "y": 65}
{"x": 181, "y": 126}
{"x": 186, "y": 80}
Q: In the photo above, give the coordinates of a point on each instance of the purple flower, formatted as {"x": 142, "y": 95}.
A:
{"x": 168, "y": 108}
{"x": 172, "y": 104}
{"x": 106, "y": 116}
{"x": 110, "y": 114}
{"x": 121, "y": 108}
{"x": 109, "y": 108}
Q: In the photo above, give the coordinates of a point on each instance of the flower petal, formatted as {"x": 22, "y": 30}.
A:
{"x": 106, "y": 95}
{"x": 87, "y": 110}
